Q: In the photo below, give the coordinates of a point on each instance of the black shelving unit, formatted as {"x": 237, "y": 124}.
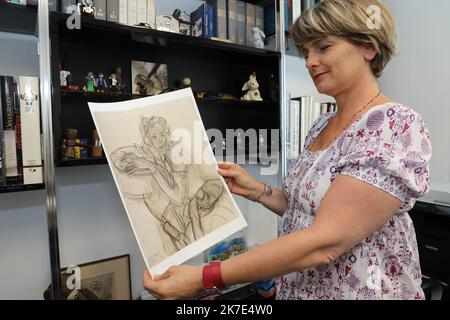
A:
{"x": 17, "y": 188}
{"x": 18, "y": 19}
{"x": 216, "y": 66}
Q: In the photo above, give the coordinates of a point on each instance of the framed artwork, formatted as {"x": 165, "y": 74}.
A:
{"x": 148, "y": 78}
{"x": 108, "y": 279}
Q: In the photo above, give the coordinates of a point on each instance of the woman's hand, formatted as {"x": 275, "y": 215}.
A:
{"x": 178, "y": 282}
{"x": 240, "y": 181}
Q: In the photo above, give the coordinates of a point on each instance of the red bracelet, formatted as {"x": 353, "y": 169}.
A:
{"x": 208, "y": 282}
{"x": 217, "y": 275}
{"x": 212, "y": 277}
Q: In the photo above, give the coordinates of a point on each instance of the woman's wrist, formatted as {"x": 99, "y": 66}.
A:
{"x": 256, "y": 194}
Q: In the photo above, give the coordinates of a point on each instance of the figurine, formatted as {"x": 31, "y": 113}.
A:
{"x": 90, "y": 82}
{"x": 186, "y": 82}
{"x": 86, "y": 8}
{"x": 70, "y": 142}
{"x": 101, "y": 83}
{"x": 64, "y": 77}
{"x": 252, "y": 86}
{"x": 113, "y": 86}
{"x": 258, "y": 38}
{"x": 120, "y": 84}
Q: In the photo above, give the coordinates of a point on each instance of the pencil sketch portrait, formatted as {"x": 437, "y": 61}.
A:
{"x": 177, "y": 208}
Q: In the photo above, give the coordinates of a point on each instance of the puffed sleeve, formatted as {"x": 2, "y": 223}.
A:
{"x": 390, "y": 149}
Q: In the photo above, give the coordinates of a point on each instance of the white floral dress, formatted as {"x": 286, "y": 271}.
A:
{"x": 388, "y": 147}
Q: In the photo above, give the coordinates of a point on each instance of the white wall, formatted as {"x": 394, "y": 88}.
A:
{"x": 420, "y": 75}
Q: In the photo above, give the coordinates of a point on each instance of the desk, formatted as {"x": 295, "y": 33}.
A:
{"x": 432, "y": 225}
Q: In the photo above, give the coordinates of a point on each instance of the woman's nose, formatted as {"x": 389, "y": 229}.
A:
{"x": 312, "y": 61}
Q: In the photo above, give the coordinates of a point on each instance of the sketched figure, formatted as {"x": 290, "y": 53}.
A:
{"x": 184, "y": 199}
{"x": 161, "y": 184}
{"x": 204, "y": 212}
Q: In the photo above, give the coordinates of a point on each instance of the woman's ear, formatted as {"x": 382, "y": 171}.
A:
{"x": 369, "y": 53}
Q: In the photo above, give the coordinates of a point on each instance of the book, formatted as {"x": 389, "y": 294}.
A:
{"x": 112, "y": 11}
{"x": 9, "y": 128}
{"x": 296, "y": 10}
{"x": 151, "y": 13}
{"x": 259, "y": 17}
{"x": 249, "y": 22}
{"x": 220, "y": 16}
{"x": 202, "y": 21}
{"x": 100, "y": 9}
{"x": 132, "y": 12}
{"x": 31, "y": 130}
{"x": 142, "y": 11}
{"x": 241, "y": 34}
{"x": 232, "y": 20}
{"x": 19, "y": 179}
{"x": 2, "y": 146}
{"x": 123, "y": 11}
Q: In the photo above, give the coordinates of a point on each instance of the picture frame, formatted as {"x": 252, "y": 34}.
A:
{"x": 148, "y": 78}
{"x": 106, "y": 279}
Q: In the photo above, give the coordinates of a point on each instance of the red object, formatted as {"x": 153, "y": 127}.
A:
{"x": 212, "y": 277}
{"x": 217, "y": 275}
{"x": 208, "y": 282}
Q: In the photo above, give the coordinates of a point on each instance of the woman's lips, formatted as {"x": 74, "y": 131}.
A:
{"x": 320, "y": 75}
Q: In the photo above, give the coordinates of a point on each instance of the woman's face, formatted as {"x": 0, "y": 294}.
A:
{"x": 158, "y": 136}
{"x": 335, "y": 64}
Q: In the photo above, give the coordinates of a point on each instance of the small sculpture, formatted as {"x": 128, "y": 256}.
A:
{"x": 113, "y": 79}
{"x": 120, "y": 84}
{"x": 258, "y": 38}
{"x": 101, "y": 83}
{"x": 70, "y": 143}
{"x": 90, "y": 82}
{"x": 64, "y": 77}
{"x": 186, "y": 82}
{"x": 86, "y": 8}
{"x": 252, "y": 86}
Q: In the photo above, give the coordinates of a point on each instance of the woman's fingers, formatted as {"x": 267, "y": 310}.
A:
{"x": 226, "y": 165}
{"x": 228, "y": 173}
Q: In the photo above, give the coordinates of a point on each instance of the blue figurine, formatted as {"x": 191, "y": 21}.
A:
{"x": 101, "y": 83}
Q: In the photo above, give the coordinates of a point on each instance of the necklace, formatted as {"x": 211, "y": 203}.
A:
{"x": 349, "y": 122}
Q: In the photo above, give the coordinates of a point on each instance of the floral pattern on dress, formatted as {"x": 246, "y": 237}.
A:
{"x": 388, "y": 147}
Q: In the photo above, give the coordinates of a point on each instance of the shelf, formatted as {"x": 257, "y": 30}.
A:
{"x": 99, "y": 97}
{"x": 159, "y": 38}
{"x": 81, "y": 162}
{"x": 237, "y": 102}
{"x": 18, "y": 19}
{"x": 111, "y": 97}
{"x": 17, "y": 188}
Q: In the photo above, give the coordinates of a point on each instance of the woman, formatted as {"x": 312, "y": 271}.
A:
{"x": 345, "y": 232}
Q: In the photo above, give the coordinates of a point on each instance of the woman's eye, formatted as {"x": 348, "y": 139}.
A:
{"x": 324, "y": 48}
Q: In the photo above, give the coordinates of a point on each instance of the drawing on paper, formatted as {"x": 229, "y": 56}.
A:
{"x": 182, "y": 218}
{"x": 177, "y": 208}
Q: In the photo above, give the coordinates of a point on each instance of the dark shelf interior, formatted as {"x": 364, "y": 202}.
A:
{"x": 17, "y": 188}
{"x": 18, "y": 18}
{"x": 82, "y": 162}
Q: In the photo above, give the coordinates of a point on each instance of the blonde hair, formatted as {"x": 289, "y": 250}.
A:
{"x": 350, "y": 19}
